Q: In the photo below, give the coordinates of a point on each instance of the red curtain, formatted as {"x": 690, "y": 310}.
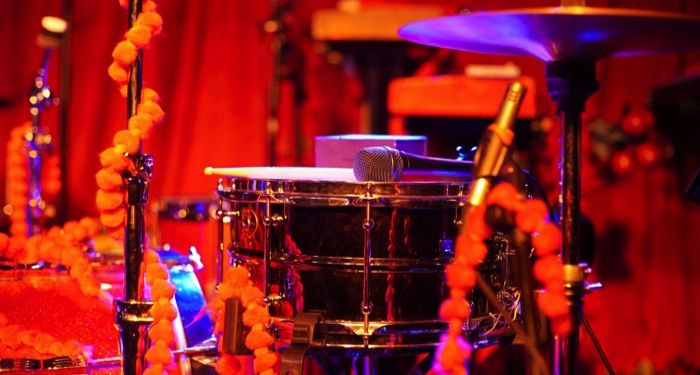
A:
{"x": 211, "y": 67}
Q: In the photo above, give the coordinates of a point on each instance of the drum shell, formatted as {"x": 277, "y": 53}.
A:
{"x": 304, "y": 241}
{"x": 183, "y": 222}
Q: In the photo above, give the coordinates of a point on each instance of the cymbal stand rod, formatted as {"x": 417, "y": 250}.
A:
{"x": 570, "y": 84}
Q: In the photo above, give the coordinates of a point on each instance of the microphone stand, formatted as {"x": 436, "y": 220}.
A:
{"x": 132, "y": 312}
{"x": 275, "y": 26}
{"x": 40, "y": 97}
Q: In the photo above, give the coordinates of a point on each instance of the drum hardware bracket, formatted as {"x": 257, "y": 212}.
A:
{"x": 575, "y": 288}
{"x": 132, "y": 317}
{"x": 233, "y": 338}
{"x": 302, "y": 337}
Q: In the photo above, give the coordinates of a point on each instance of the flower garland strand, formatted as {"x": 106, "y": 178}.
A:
{"x": 17, "y": 163}
{"x": 59, "y": 246}
{"x": 470, "y": 251}
{"x": 237, "y": 284}
{"x": 161, "y": 332}
{"x": 111, "y": 197}
{"x": 20, "y": 339}
{"x": 17, "y": 176}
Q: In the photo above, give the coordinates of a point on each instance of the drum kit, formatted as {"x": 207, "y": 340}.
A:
{"x": 356, "y": 268}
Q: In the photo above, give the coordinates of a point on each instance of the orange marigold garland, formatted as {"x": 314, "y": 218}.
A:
{"x": 59, "y": 246}
{"x": 17, "y": 164}
{"x": 161, "y": 332}
{"x": 19, "y": 339}
{"x": 237, "y": 284}
{"x": 111, "y": 199}
{"x": 470, "y": 251}
{"x": 17, "y": 179}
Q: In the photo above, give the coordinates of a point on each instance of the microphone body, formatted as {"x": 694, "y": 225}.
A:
{"x": 381, "y": 163}
{"x": 495, "y": 144}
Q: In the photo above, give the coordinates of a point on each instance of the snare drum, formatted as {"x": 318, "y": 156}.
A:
{"x": 365, "y": 259}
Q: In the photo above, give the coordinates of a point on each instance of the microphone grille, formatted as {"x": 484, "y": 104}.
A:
{"x": 378, "y": 163}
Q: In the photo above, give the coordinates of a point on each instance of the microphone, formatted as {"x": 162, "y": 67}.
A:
{"x": 495, "y": 144}
{"x": 381, "y": 163}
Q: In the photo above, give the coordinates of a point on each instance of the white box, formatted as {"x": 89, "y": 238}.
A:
{"x": 338, "y": 151}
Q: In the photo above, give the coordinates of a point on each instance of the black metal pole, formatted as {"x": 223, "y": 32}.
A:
{"x": 63, "y": 139}
{"x": 132, "y": 311}
{"x": 570, "y": 84}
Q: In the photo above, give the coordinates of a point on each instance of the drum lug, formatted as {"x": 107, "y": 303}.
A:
{"x": 302, "y": 338}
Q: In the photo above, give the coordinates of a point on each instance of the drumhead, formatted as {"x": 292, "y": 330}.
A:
{"x": 286, "y": 173}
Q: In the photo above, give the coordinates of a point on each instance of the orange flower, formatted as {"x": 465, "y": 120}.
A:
{"x": 531, "y": 216}
{"x": 227, "y": 365}
{"x": 255, "y": 315}
{"x": 504, "y": 195}
{"x": 159, "y": 353}
{"x": 155, "y": 271}
{"x": 141, "y": 124}
{"x": 75, "y": 231}
{"x": 90, "y": 226}
{"x": 453, "y": 308}
{"x": 162, "y": 289}
{"x": 553, "y": 304}
{"x": 148, "y": 94}
{"x": 150, "y": 257}
{"x": 258, "y": 339}
{"x": 123, "y": 139}
{"x": 469, "y": 251}
{"x": 116, "y": 232}
{"x": 139, "y": 36}
{"x": 117, "y": 73}
{"x": 162, "y": 330}
{"x": 124, "y": 53}
{"x": 111, "y": 158}
{"x": 475, "y": 222}
{"x": 152, "y": 20}
{"x": 154, "y": 369}
{"x": 109, "y": 200}
{"x": 163, "y": 309}
{"x": 113, "y": 218}
{"x": 152, "y": 108}
{"x": 237, "y": 276}
{"x": 264, "y": 361}
{"x": 226, "y": 291}
{"x": 460, "y": 276}
{"x": 548, "y": 240}
{"x": 548, "y": 268}
{"x": 251, "y": 294}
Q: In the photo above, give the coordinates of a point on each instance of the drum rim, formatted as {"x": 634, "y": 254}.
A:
{"x": 249, "y": 189}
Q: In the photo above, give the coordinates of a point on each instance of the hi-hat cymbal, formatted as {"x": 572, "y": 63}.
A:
{"x": 572, "y": 32}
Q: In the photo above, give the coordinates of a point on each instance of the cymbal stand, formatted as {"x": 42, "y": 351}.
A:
{"x": 132, "y": 312}
{"x": 570, "y": 84}
{"x": 276, "y": 28}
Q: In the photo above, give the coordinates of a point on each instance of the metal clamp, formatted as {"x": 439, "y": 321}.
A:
{"x": 302, "y": 338}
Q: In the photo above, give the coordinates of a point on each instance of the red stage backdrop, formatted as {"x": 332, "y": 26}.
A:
{"x": 211, "y": 67}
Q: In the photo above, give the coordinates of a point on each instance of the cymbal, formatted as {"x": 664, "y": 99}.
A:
{"x": 570, "y": 32}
